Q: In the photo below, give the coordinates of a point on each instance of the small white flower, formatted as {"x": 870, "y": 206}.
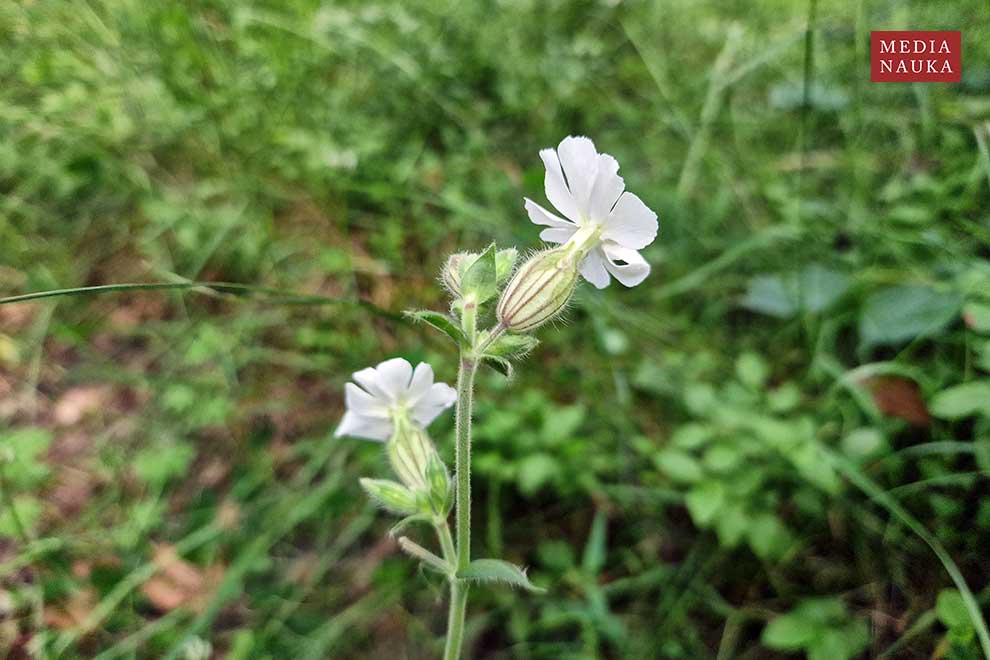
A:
{"x": 390, "y": 393}
{"x": 604, "y": 225}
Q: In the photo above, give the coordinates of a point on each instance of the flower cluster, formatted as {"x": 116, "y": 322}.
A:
{"x": 599, "y": 237}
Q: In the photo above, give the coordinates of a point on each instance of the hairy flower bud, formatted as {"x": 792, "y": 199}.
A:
{"x": 539, "y": 290}
{"x": 390, "y": 495}
{"x": 410, "y": 451}
{"x": 453, "y": 269}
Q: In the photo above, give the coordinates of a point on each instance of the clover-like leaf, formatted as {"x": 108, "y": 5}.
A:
{"x": 496, "y": 570}
{"x": 440, "y": 322}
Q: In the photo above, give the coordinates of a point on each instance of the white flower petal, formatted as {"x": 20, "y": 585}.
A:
{"x": 556, "y": 188}
{"x": 422, "y": 380}
{"x": 440, "y": 397}
{"x": 364, "y": 404}
{"x": 631, "y": 224}
{"x": 593, "y": 269}
{"x": 554, "y": 235}
{"x": 359, "y": 426}
{"x": 541, "y": 216}
{"x": 608, "y": 186}
{"x": 394, "y": 376}
{"x": 634, "y": 269}
{"x": 368, "y": 379}
{"x": 579, "y": 160}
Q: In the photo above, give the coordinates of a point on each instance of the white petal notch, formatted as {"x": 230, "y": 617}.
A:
{"x": 604, "y": 226}
{"x": 390, "y": 393}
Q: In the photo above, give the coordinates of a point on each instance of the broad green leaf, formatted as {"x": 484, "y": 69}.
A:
{"x": 860, "y": 444}
{"x": 951, "y": 610}
{"x": 731, "y": 523}
{"x": 704, "y": 501}
{"x": 158, "y": 464}
{"x": 496, "y": 570}
{"x": 480, "y": 278}
{"x": 440, "y": 322}
{"x": 26, "y": 447}
{"x": 789, "y": 632}
{"x": 679, "y": 465}
{"x": 812, "y": 290}
{"x": 752, "y": 370}
{"x": 536, "y": 470}
{"x": 977, "y": 317}
{"x": 902, "y": 313}
{"x": 768, "y": 537}
{"x": 28, "y": 510}
{"x": 962, "y": 400}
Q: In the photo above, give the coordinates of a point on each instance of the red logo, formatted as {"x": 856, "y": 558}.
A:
{"x": 915, "y": 56}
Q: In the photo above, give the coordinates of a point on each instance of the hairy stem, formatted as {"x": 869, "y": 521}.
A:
{"x": 462, "y": 476}
{"x": 455, "y": 619}
{"x": 446, "y": 542}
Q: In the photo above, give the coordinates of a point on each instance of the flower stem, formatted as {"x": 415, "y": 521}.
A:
{"x": 446, "y": 542}
{"x": 455, "y": 619}
{"x": 462, "y": 476}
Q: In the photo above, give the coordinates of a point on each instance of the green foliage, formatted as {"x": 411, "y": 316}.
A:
{"x": 739, "y": 462}
{"x": 821, "y": 627}
{"x": 818, "y": 233}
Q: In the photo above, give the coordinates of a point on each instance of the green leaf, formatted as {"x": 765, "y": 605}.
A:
{"x": 500, "y": 365}
{"x": 752, "y": 370}
{"x": 25, "y": 448}
{"x": 496, "y": 570}
{"x": 860, "y": 444}
{"x": 28, "y": 510}
{"x": 704, "y": 501}
{"x": 480, "y": 279}
{"x": 962, "y": 400}
{"x": 977, "y": 317}
{"x": 902, "y": 313}
{"x": 768, "y": 537}
{"x": 595, "y": 549}
{"x": 157, "y": 465}
{"x": 790, "y": 632}
{"x": 812, "y": 290}
{"x": 536, "y": 470}
{"x": 951, "y": 610}
{"x": 679, "y": 465}
{"x": 440, "y": 322}
{"x": 424, "y": 518}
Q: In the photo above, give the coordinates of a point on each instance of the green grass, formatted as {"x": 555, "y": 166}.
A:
{"x": 304, "y": 168}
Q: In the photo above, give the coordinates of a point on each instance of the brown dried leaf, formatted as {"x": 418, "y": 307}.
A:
{"x": 899, "y": 397}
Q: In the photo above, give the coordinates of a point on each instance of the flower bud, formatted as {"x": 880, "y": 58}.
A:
{"x": 441, "y": 494}
{"x": 453, "y": 269}
{"x": 539, "y": 291}
{"x": 391, "y": 496}
{"x": 410, "y": 451}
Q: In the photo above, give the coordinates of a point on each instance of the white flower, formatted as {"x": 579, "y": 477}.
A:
{"x": 604, "y": 226}
{"x": 391, "y": 393}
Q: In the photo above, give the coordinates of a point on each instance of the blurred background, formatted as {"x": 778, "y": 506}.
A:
{"x": 778, "y": 445}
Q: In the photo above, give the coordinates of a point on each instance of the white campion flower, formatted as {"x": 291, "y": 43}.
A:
{"x": 390, "y": 394}
{"x": 605, "y": 226}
